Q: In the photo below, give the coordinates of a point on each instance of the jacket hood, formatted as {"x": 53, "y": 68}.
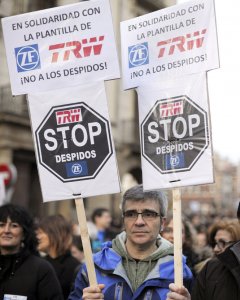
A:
{"x": 108, "y": 258}
{"x": 164, "y": 248}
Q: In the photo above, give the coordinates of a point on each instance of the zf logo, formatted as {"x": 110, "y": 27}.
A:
{"x": 27, "y": 58}
{"x": 78, "y": 168}
{"x": 175, "y": 161}
{"x": 138, "y": 55}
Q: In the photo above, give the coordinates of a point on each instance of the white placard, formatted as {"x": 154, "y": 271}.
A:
{"x": 2, "y": 190}
{"x": 14, "y": 297}
{"x": 175, "y": 133}
{"x": 61, "y": 46}
{"x": 73, "y": 142}
{"x": 169, "y": 43}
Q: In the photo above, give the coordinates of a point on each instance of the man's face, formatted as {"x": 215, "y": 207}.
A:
{"x": 104, "y": 221}
{"x": 142, "y": 231}
{"x": 168, "y": 232}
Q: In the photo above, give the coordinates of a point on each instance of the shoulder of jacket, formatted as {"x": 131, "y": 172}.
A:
{"x": 107, "y": 259}
{"x": 166, "y": 268}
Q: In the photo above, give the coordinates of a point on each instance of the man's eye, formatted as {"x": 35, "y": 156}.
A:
{"x": 149, "y": 214}
{"x": 2, "y": 224}
{"x": 130, "y": 214}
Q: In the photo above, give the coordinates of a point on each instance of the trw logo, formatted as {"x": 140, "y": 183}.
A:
{"x": 78, "y": 49}
{"x": 171, "y": 109}
{"x": 68, "y": 116}
{"x": 181, "y": 43}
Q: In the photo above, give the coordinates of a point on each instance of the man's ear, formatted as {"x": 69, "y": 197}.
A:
{"x": 163, "y": 223}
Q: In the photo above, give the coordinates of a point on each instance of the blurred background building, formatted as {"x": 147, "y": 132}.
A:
{"x": 16, "y": 145}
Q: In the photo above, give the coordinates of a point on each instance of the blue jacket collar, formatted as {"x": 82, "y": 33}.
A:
{"x": 108, "y": 259}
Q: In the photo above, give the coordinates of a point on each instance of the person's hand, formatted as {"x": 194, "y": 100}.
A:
{"x": 93, "y": 292}
{"x": 177, "y": 293}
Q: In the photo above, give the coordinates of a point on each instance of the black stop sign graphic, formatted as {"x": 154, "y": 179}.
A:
{"x": 73, "y": 142}
{"x": 174, "y": 134}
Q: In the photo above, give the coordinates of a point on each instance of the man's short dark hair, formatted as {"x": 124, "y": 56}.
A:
{"x": 98, "y": 213}
{"x": 137, "y": 193}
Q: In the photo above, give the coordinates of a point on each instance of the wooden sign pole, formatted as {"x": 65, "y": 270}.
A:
{"x": 86, "y": 241}
{"x": 177, "y": 233}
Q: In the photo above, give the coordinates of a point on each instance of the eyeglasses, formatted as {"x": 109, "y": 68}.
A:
{"x": 147, "y": 215}
{"x": 222, "y": 244}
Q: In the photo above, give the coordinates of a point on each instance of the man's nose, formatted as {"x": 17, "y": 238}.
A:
{"x": 139, "y": 220}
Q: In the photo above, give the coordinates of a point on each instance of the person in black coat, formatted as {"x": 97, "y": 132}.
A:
{"x": 55, "y": 238}
{"x": 220, "y": 277}
{"x": 218, "y": 280}
{"x": 22, "y": 272}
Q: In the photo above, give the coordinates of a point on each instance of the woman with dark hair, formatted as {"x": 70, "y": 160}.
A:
{"x": 55, "y": 239}
{"x": 23, "y": 274}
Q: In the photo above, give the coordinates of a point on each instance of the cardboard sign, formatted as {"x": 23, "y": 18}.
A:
{"x": 62, "y": 46}
{"x": 73, "y": 142}
{"x": 175, "y": 133}
{"x": 169, "y": 43}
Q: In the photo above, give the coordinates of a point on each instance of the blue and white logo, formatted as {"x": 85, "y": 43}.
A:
{"x": 138, "y": 55}
{"x": 27, "y": 58}
{"x": 77, "y": 169}
{"x": 175, "y": 161}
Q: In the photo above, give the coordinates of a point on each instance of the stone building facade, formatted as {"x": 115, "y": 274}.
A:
{"x": 16, "y": 145}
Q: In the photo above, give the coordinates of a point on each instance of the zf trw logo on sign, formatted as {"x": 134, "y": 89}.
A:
{"x": 174, "y": 134}
{"x": 138, "y": 55}
{"x": 73, "y": 142}
{"x": 28, "y": 57}
{"x": 181, "y": 43}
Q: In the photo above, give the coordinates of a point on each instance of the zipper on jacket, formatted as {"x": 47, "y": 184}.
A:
{"x": 118, "y": 291}
{"x": 148, "y": 295}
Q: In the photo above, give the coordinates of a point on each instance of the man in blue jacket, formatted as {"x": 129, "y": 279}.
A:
{"x": 138, "y": 263}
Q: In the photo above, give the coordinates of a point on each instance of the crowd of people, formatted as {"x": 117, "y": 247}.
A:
{"x": 44, "y": 260}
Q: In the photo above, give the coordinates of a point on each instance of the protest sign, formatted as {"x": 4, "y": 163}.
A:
{"x": 169, "y": 43}
{"x": 175, "y": 133}
{"x": 61, "y": 46}
{"x": 73, "y": 142}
